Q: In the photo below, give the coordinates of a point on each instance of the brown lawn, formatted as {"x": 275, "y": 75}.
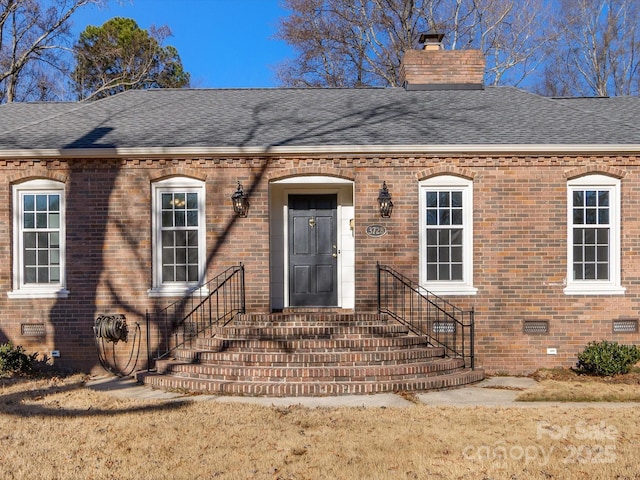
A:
{"x": 58, "y": 429}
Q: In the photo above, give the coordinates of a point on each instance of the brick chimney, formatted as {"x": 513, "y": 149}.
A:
{"x": 433, "y": 68}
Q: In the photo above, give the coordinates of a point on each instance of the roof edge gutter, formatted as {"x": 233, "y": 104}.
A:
{"x": 313, "y": 150}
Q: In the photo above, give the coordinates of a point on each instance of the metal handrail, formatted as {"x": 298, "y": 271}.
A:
{"x": 442, "y": 323}
{"x": 213, "y": 304}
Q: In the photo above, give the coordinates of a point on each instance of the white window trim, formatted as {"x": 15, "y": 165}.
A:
{"x": 21, "y": 290}
{"x": 612, "y": 286}
{"x": 464, "y": 287}
{"x": 176, "y": 288}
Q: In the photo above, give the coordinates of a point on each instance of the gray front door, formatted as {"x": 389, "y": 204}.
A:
{"x": 313, "y": 250}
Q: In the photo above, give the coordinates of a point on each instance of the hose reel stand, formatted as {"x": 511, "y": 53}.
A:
{"x": 111, "y": 329}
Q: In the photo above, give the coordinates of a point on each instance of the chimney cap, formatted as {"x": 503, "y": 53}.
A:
{"x": 431, "y": 37}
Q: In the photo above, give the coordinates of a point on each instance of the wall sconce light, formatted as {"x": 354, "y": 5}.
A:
{"x": 240, "y": 202}
{"x": 384, "y": 201}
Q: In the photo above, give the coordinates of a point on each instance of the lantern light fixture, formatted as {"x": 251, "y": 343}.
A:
{"x": 240, "y": 202}
{"x": 384, "y": 201}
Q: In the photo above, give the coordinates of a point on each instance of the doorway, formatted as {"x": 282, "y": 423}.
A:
{"x": 313, "y": 251}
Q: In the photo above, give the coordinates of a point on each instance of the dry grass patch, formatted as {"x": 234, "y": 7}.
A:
{"x": 56, "y": 429}
{"x": 568, "y": 385}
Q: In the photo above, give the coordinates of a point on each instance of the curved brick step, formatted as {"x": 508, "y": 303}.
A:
{"x": 376, "y": 373}
{"x": 327, "y": 359}
{"x": 299, "y": 389}
{"x": 308, "y": 345}
{"x": 317, "y": 331}
{"x": 303, "y": 319}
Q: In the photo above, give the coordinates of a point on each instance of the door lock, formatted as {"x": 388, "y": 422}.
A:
{"x": 312, "y": 222}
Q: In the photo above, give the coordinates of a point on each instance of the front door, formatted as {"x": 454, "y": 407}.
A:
{"x": 313, "y": 250}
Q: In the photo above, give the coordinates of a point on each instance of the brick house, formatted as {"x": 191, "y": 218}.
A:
{"x": 522, "y": 208}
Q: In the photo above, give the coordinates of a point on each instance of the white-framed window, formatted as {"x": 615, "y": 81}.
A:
{"x": 179, "y": 235}
{"x": 446, "y": 235}
{"x": 593, "y": 243}
{"x": 38, "y": 240}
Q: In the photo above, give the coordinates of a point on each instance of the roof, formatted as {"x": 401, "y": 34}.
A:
{"x": 170, "y": 121}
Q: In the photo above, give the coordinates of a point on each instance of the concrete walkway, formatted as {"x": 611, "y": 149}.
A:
{"x": 491, "y": 392}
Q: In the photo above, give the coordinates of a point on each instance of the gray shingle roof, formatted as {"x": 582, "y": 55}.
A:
{"x": 318, "y": 117}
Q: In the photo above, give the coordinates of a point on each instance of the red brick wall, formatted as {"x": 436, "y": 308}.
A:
{"x": 420, "y": 67}
{"x": 519, "y": 239}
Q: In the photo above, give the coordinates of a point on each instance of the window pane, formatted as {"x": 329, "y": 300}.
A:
{"x": 443, "y": 272}
{"x": 192, "y": 201}
{"x": 456, "y": 237}
{"x": 167, "y": 256}
{"x": 603, "y": 198}
{"x": 30, "y": 274}
{"x": 456, "y": 254}
{"x": 29, "y": 220}
{"x": 193, "y": 273}
{"x": 54, "y": 220}
{"x": 432, "y": 254}
{"x": 168, "y": 273}
{"x": 192, "y": 218}
{"x": 167, "y": 201}
{"x": 578, "y": 198}
{"x": 456, "y": 272}
{"x": 432, "y": 217}
{"x": 30, "y": 240}
{"x": 28, "y": 203}
{"x": 603, "y": 216}
{"x": 591, "y": 198}
{"x": 54, "y": 203}
{"x": 54, "y": 274}
{"x": 41, "y": 220}
{"x": 578, "y": 216}
{"x": 443, "y": 198}
{"x": 181, "y": 273}
{"x": 41, "y": 203}
{"x": 181, "y": 238}
{"x": 602, "y": 271}
{"x": 43, "y": 240}
{"x": 591, "y": 216}
{"x": 167, "y": 219}
{"x": 432, "y": 271}
{"x": 432, "y": 199}
{"x": 456, "y": 199}
{"x": 445, "y": 217}
{"x": 54, "y": 240}
{"x": 179, "y": 218}
{"x": 456, "y": 217}
{"x": 29, "y": 257}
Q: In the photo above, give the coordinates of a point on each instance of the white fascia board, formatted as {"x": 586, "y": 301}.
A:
{"x": 460, "y": 149}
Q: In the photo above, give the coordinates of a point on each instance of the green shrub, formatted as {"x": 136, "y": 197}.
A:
{"x": 13, "y": 360}
{"x": 608, "y": 358}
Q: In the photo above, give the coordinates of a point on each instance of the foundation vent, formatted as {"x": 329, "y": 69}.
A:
{"x": 625, "y": 326}
{"x": 536, "y": 327}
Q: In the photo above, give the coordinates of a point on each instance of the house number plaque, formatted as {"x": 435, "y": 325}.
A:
{"x": 376, "y": 230}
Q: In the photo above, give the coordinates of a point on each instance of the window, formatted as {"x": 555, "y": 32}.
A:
{"x": 446, "y": 235}
{"x": 179, "y": 235}
{"x": 593, "y": 236}
{"x": 38, "y": 240}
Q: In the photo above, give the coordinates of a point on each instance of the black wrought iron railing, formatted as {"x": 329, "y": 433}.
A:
{"x": 216, "y": 303}
{"x": 443, "y": 324}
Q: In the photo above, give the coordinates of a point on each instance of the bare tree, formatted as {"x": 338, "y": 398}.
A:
{"x": 361, "y": 42}
{"x": 597, "y": 49}
{"x": 32, "y": 34}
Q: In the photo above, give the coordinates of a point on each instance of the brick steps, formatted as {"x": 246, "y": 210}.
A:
{"x": 326, "y": 359}
{"x": 301, "y": 389}
{"x": 312, "y": 374}
{"x": 310, "y": 353}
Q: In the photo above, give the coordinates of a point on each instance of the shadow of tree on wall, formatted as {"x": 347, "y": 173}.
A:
{"x": 72, "y": 318}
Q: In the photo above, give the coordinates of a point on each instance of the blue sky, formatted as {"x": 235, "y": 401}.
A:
{"x": 222, "y": 43}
